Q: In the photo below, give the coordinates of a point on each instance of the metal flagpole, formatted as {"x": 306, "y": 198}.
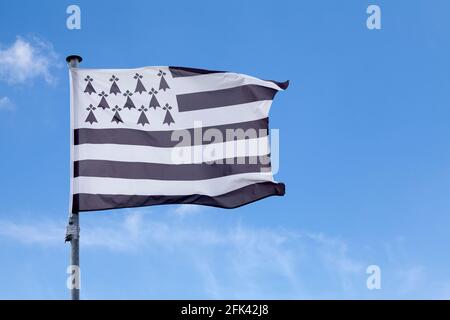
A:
{"x": 73, "y": 227}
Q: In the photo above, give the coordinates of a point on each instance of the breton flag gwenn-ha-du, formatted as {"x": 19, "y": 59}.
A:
{"x": 169, "y": 135}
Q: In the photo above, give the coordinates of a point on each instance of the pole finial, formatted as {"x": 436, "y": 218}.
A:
{"x": 74, "y": 57}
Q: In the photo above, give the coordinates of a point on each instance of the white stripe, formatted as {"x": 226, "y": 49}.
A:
{"x": 210, "y": 187}
{"x": 183, "y": 120}
{"x": 176, "y": 155}
{"x": 217, "y": 81}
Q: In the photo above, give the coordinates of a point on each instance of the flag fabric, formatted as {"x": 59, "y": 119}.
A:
{"x": 169, "y": 135}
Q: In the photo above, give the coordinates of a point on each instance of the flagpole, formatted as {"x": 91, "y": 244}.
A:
{"x": 73, "y": 228}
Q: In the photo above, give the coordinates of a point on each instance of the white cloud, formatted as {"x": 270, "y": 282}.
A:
{"x": 43, "y": 233}
{"x": 186, "y": 209}
{"x": 236, "y": 260}
{"x": 6, "y": 104}
{"x": 232, "y": 261}
{"x": 27, "y": 59}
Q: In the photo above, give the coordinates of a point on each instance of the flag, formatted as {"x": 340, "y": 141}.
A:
{"x": 169, "y": 135}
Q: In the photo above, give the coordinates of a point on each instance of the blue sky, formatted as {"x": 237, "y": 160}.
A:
{"x": 365, "y": 153}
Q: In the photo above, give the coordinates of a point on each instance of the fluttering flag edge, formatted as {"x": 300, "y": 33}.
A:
{"x": 179, "y": 72}
{"x": 230, "y": 200}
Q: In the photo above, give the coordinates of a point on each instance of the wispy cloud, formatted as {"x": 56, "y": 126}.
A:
{"x": 6, "y": 104}
{"x": 232, "y": 261}
{"x": 187, "y": 209}
{"x": 236, "y": 260}
{"x": 27, "y": 59}
{"x": 43, "y": 233}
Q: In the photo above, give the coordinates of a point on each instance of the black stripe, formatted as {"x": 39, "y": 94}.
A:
{"x": 160, "y": 171}
{"x": 178, "y": 72}
{"x": 233, "y": 199}
{"x": 163, "y": 139}
{"x": 224, "y": 97}
{"x": 283, "y": 85}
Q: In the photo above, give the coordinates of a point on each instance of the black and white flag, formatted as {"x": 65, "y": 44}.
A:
{"x": 169, "y": 135}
